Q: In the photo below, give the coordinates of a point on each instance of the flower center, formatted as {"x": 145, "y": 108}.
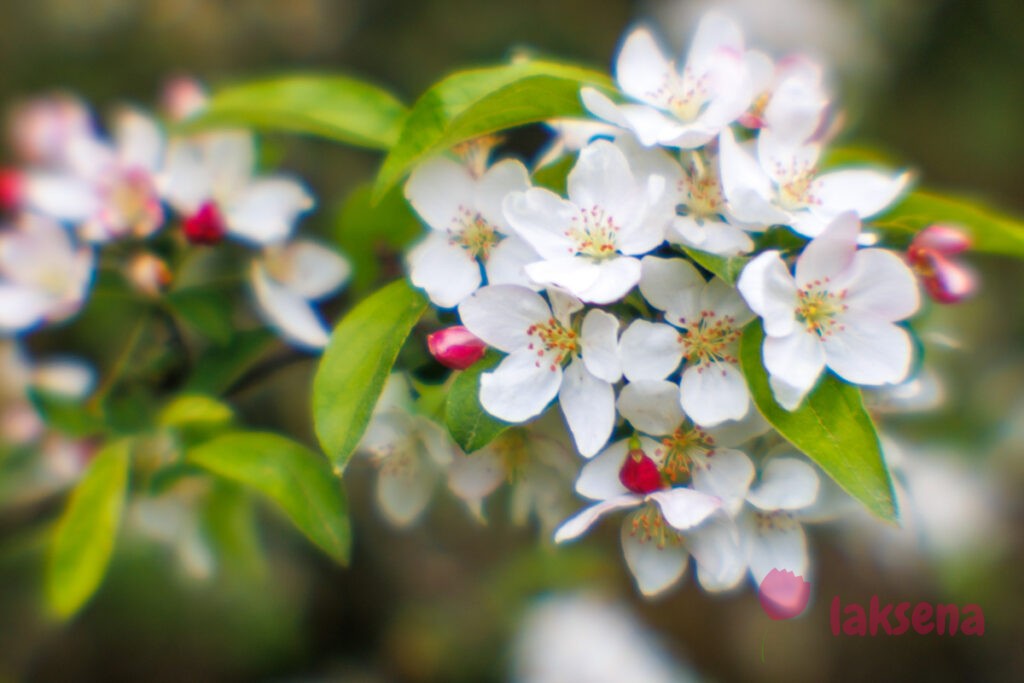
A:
{"x": 774, "y": 520}
{"x": 133, "y": 204}
{"x": 647, "y": 524}
{"x": 473, "y": 233}
{"x": 552, "y": 341}
{"x": 713, "y": 338}
{"x": 817, "y": 308}
{"x": 594, "y": 233}
{"x": 682, "y": 449}
{"x": 205, "y": 226}
{"x": 639, "y": 474}
{"x": 795, "y": 191}
{"x": 683, "y": 95}
{"x": 703, "y": 194}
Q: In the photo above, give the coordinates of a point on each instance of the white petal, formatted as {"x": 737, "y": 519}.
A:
{"x": 883, "y": 285}
{"x": 868, "y": 350}
{"x": 770, "y": 291}
{"x": 672, "y": 285}
{"x": 506, "y": 264}
{"x": 501, "y": 314}
{"x": 21, "y": 307}
{"x": 797, "y": 107}
{"x": 474, "y": 477}
{"x": 588, "y": 404}
{"x": 229, "y": 158}
{"x": 684, "y": 508}
{"x": 651, "y": 406}
{"x": 187, "y": 182}
{"x": 600, "y": 345}
{"x": 574, "y": 274}
{"x": 501, "y": 179}
{"x": 266, "y": 210}
{"x": 747, "y": 189}
{"x": 726, "y": 474}
{"x": 602, "y": 178}
{"x": 715, "y": 35}
{"x": 288, "y": 312}
{"x": 787, "y": 395}
{"x": 140, "y": 142}
{"x": 654, "y": 569}
{"x": 67, "y": 377}
{"x": 714, "y": 237}
{"x": 615, "y": 277}
{"x": 829, "y": 254}
{"x": 862, "y": 191}
{"x": 437, "y": 188}
{"x": 599, "y": 476}
{"x": 403, "y": 494}
{"x": 63, "y": 197}
{"x": 782, "y": 546}
{"x": 642, "y": 68}
{"x": 714, "y": 392}
{"x": 602, "y": 106}
{"x": 796, "y": 359}
{"x": 724, "y": 300}
{"x": 541, "y": 218}
{"x": 720, "y": 558}
{"x": 311, "y": 269}
{"x": 563, "y": 305}
{"x": 520, "y": 387}
{"x": 446, "y": 271}
{"x": 786, "y": 484}
{"x": 583, "y": 520}
{"x": 730, "y": 434}
{"x": 650, "y": 351}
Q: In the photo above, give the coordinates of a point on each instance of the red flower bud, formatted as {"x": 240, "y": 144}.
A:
{"x": 205, "y": 226}
{"x": 11, "y": 189}
{"x": 456, "y": 347}
{"x": 639, "y": 474}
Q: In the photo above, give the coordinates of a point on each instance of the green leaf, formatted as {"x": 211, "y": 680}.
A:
{"x": 857, "y": 155}
{"x": 470, "y": 425}
{"x": 69, "y": 416}
{"x": 831, "y": 427}
{"x": 230, "y": 522}
{"x": 358, "y": 359}
{"x": 468, "y": 104}
{"x": 195, "y": 410}
{"x": 726, "y": 267}
{"x": 298, "y": 480}
{"x": 85, "y": 534}
{"x": 204, "y": 310}
{"x": 219, "y": 368}
{"x": 991, "y": 230}
{"x": 334, "y": 107}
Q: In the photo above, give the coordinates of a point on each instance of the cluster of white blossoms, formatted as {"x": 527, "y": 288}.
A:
{"x": 79, "y": 191}
{"x": 602, "y": 297}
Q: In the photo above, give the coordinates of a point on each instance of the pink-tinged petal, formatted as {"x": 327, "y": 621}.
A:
{"x": 881, "y": 284}
{"x": 437, "y": 189}
{"x": 672, "y": 285}
{"x": 139, "y": 141}
{"x": 22, "y": 308}
{"x": 502, "y": 314}
{"x": 642, "y": 67}
{"x": 651, "y": 406}
{"x": 868, "y": 350}
{"x": 521, "y": 387}
{"x": 713, "y": 393}
{"x": 725, "y": 474}
{"x": 602, "y": 178}
{"x": 862, "y": 191}
{"x": 786, "y": 484}
{"x": 720, "y": 558}
{"x": 599, "y": 339}
{"x": 506, "y": 264}
{"x": 446, "y": 271}
{"x": 746, "y": 187}
{"x": 541, "y": 218}
{"x": 266, "y": 210}
{"x": 780, "y": 544}
{"x": 288, "y": 312}
{"x": 950, "y": 281}
{"x": 577, "y": 525}
{"x": 769, "y": 290}
{"x": 403, "y": 493}
{"x": 650, "y": 351}
{"x": 655, "y": 569}
{"x": 685, "y": 508}
{"x": 948, "y": 240}
{"x": 588, "y": 404}
{"x": 717, "y": 36}
{"x": 796, "y": 359}
{"x": 599, "y": 476}
{"x": 615, "y": 277}
{"x": 831, "y": 253}
{"x": 500, "y": 180}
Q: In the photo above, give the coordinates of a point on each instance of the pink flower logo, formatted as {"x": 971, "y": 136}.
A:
{"x": 783, "y": 594}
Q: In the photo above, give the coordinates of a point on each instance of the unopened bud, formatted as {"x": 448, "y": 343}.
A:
{"x": 205, "y": 226}
{"x": 11, "y": 189}
{"x": 183, "y": 96}
{"x": 149, "y": 274}
{"x": 456, "y": 347}
{"x": 943, "y": 239}
{"x": 640, "y": 474}
{"x": 945, "y": 279}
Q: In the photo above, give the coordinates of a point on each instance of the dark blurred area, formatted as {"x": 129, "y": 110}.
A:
{"x": 940, "y": 89}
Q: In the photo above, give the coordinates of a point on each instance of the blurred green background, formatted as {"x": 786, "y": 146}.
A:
{"x": 937, "y": 84}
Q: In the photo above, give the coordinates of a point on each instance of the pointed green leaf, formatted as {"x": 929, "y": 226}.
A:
{"x": 468, "y": 104}
{"x": 298, "y": 480}
{"x": 85, "y": 535}
{"x": 334, "y": 107}
{"x": 831, "y": 427}
{"x": 356, "y": 363}
{"x": 469, "y": 424}
{"x": 726, "y": 267}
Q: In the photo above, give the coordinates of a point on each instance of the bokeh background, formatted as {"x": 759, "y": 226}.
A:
{"x": 937, "y": 84}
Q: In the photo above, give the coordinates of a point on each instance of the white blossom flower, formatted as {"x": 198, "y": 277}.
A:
{"x": 588, "y": 244}
{"x": 109, "y": 191}
{"x": 779, "y": 183}
{"x": 706, "y": 320}
{"x": 210, "y": 180}
{"x": 793, "y": 102}
{"x": 44, "y": 276}
{"x": 467, "y": 228}
{"x": 683, "y": 106}
{"x": 288, "y": 279}
{"x": 539, "y": 342}
{"x": 838, "y": 311}
{"x": 42, "y": 129}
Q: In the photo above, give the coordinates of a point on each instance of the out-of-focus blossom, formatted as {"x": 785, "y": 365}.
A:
{"x": 932, "y": 255}
{"x": 173, "y": 520}
{"x": 182, "y": 97}
{"x": 44, "y": 276}
{"x": 287, "y": 280}
{"x": 583, "y": 638}
{"x": 43, "y": 131}
{"x": 210, "y": 180}
{"x": 456, "y": 347}
{"x": 149, "y": 274}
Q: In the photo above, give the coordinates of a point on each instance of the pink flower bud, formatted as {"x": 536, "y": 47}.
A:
{"x": 182, "y": 97}
{"x": 944, "y": 239}
{"x": 945, "y": 279}
{"x": 456, "y": 347}
{"x": 783, "y": 594}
